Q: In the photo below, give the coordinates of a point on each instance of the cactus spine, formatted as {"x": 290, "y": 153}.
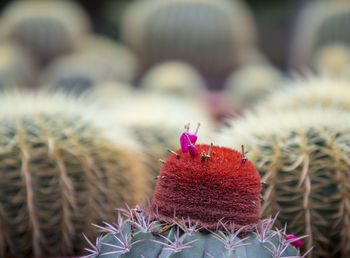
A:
{"x": 302, "y": 156}
{"x": 59, "y": 172}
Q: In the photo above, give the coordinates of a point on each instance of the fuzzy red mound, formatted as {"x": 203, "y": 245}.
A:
{"x": 222, "y": 187}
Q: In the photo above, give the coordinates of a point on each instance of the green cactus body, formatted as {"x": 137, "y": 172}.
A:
{"x": 17, "y": 67}
{"x": 47, "y": 28}
{"x": 320, "y": 24}
{"x": 174, "y": 78}
{"x": 207, "y": 34}
{"x": 98, "y": 60}
{"x": 303, "y": 157}
{"x": 59, "y": 172}
{"x": 323, "y": 92}
{"x": 183, "y": 242}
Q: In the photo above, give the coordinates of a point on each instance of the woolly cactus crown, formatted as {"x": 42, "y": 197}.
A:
{"x": 221, "y": 186}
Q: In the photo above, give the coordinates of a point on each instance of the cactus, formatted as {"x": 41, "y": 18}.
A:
{"x": 303, "y": 157}
{"x": 60, "y": 170}
{"x": 252, "y": 83}
{"x": 173, "y": 77}
{"x": 206, "y": 34}
{"x": 320, "y": 24}
{"x": 47, "y": 28}
{"x": 211, "y": 204}
{"x": 312, "y": 92}
{"x": 17, "y": 67}
{"x": 97, "y": 60}
{"x": 333, "y": 60}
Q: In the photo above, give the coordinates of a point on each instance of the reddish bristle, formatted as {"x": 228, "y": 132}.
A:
{"x": 222, "y": 187}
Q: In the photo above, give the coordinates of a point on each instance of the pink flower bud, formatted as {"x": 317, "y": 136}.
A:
{"x": 296, "y": 243}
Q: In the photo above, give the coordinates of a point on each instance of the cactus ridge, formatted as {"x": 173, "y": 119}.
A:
{"x": 302, "y": 156}
{"x": 139, "y": 235}
{"x": 59, "y": 172}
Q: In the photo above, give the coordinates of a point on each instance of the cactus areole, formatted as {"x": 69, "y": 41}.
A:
{"x": 218, "y": 184}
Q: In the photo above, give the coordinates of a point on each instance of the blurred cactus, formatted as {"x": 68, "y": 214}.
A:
{"x": 155, "y": 119}
{"x": 314, "y": 92}
{"x": 213, "y": 36}
{"x": 59, "y": 173}
{"x": 252, "y": 83}
{"x": 47, "y": 28}
{"x": 174, "y": 78}
{"x": 320, "y": 24}
{"x": 333, "y": 60}
{"x": 17, "y": 67}
{"x": 303, "y": 157}
{"x": 97, "y": 60}
{"x": 109, "y": 91}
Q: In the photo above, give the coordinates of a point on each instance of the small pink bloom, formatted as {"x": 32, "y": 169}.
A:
{"x": 193, "y": 151}
{"x": 296, "y": 243}
{"x": 184, "y": 142}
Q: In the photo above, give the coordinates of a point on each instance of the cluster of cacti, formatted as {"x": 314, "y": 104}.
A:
{"x": 252, "y": 83}
{"x": 320, "y": 24}
{"x": 96, "y": 61}
{"x": 47, "y": 28}
{"x": 173, "y": 77}
{"x": 154, "y": 120}
{"x": 17, "y": 67}
{"x": 333, "y": 60}
{"x": 60, "y": 171}
{"x": 208, "y": 197}
{"x": 321, "y": 92}
{"x": 303, "y": 157}
{"x": 213, "y": 36}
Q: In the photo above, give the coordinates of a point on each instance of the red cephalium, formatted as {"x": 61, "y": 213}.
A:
{"x": 224, "y": 187}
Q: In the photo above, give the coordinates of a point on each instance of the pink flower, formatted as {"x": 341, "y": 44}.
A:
{"x": 296, "y": 243}
{"x": 186, "y": 138}
{"x": 184, "y": 142}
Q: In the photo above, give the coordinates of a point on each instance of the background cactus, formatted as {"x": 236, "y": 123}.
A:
{"x": 303, "y": 157}
{"x": 17, "y": 67}
{"x": 175, "y": 78}
{"x": 229, "y": 183}
{"x": 333, "y": 60}
{"x": 60, "y": 171}
{"x": 252, "y": 83}
{"x": 320, "y": 24}
{"x": 47, "y": 28}
{"x": 98, "y": 60}
{"x": 311, "y": 92}
{"x": 207, "y": 34}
